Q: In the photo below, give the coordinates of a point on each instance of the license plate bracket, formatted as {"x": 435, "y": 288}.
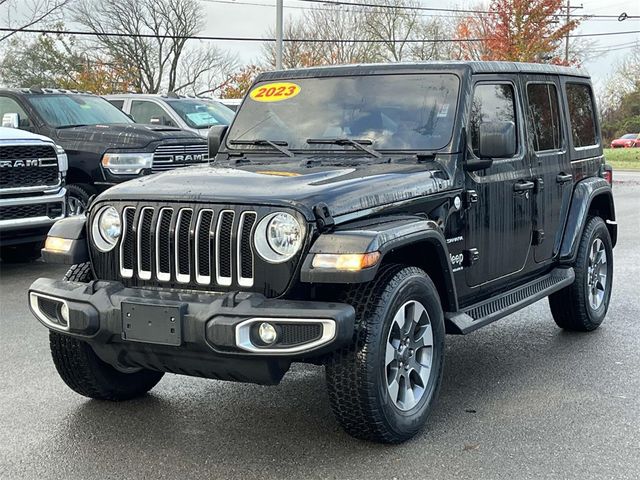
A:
{"x": 150, "y": 323}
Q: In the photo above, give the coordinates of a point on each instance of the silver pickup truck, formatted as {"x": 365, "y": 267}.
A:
{"x": 32, "y": 193}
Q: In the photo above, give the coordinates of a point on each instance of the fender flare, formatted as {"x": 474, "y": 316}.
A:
{"x": 70, "y": 228}
{"x": 584, "y": 194}
{"x": 385, "y": 236}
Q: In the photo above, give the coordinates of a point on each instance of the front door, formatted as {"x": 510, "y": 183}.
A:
{"x": 549, "y": 163}
{"x": 499, "y": 224}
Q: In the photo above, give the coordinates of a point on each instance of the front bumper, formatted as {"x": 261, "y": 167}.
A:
{"x": 204, "y": 334}
{"x": 24, "y": 217}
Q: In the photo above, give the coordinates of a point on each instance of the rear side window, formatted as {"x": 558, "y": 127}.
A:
{"x": 544, "y": 116}
{"x": 491, "y": 103}
{"x": 9, "y": 105}
{"x": 581, "y": 115}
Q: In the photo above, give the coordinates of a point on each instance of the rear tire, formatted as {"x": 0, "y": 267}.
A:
{"x": 383, "y": 386}
{"x": 85, "y": 373}
{"x": 583, "y": 305}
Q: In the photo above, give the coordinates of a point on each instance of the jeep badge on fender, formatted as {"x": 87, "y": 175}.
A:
{"x": 352, "y": 217}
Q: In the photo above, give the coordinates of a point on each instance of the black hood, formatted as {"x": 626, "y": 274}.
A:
{"x": 99, "y": 138}
{"x": 345, "y": 189}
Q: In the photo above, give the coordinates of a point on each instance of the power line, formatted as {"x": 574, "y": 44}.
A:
{"x": 585, "y": 17}
{"x": 439, "y": 9}
{"x": 256, "y": 39}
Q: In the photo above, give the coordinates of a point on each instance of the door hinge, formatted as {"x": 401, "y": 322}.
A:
{"x": 324, "y": 220}
{"x": 471, "y": 256}
{"x": 469, "y": 198}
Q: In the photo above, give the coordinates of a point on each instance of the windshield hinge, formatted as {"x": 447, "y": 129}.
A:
{"x": 324, "y": 220}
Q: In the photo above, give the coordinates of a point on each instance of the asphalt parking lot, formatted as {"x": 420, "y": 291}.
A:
{"x": 520, "y": 399}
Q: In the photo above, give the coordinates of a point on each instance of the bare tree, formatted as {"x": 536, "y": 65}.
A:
{"x": 197, "y": 75}
{"x": 23, "y": 14}
{"x": 157, "y": 57}
{"x": 393, "y": 25}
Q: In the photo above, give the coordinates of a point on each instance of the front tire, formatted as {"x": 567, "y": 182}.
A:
{"x": 583, "y": 305}
{"x": 78, "y": 195}
{"x": 383, "y": 387}
{"x": 85, "y": 373}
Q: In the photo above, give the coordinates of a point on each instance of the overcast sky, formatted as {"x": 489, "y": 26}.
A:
{"x": 235, "y": 19}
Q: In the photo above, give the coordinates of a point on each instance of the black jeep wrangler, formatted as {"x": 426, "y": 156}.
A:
{"x": 352, "y": 217}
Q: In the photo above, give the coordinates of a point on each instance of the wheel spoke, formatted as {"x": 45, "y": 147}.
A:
{"x": 390, "y": 354}
{"x": 394, "y": 389}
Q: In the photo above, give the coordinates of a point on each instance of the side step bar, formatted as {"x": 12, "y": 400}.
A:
{"x": 475, "y": 316}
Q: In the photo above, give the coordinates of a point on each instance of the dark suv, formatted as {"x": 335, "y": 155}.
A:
{"x": 352, "y": 217}
{"x": 104, "y": 145}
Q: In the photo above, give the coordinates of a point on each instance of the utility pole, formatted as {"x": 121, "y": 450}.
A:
{"x": 279, "y": 41}
{"x": 566, "y": 37}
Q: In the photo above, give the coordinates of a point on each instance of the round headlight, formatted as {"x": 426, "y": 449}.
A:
{"x": 106, "y": 228}
{"x": 278, "y": 237}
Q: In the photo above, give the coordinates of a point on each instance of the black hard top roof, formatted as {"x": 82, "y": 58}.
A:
{"x": 440, "y": 66}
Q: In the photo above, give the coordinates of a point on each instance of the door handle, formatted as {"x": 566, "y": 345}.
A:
{"x": 562, "y": 178}
{"x": 523, "y": 186}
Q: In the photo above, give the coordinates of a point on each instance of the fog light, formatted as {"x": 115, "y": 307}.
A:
{"x": 64, "y": 314}
{"x": 267, "y": 333}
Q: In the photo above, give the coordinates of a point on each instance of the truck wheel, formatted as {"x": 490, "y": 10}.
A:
{"x": 78, "y": 196}
{"x": 383, "y": 386}
{"x": 24, "y": 253}
{"x": 583, "y": 305}
{"x": 82, "y": 370}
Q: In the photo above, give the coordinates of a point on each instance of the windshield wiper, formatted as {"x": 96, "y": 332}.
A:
{"x": 359, "y": 144}
{"x": 279, "y": 145}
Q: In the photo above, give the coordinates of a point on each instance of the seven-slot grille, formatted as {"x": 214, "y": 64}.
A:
{"x": 28, "y": 166}
{"x": 186, "y": 245}
{"x": 168, "y": 157}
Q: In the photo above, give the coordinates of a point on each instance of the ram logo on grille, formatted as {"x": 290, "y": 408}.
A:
{"x": 210, "y": 247}
{"x": 28, "y": 162}
{"x": 167, "y": 157}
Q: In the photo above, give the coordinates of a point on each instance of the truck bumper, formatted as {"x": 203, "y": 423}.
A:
{"x": 211, "y": 335}
{"x": 27, "y": 219}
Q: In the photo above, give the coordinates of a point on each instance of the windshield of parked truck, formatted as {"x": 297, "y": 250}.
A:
{"x": 201, "y": 113}
{"x": 65, "y": 111}
{"x": 387, "y": 112}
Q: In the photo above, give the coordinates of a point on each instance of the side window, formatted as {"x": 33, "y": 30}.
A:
{"x": 544, "y": 116}
{"x": 116, "y": 103}
{"x": 9, "y": 105}
{"x": 149, "y": 113}
{"x": 491, "y": 103}
{"x": 581, "y": 115}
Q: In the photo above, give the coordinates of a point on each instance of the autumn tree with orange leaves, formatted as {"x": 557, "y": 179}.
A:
{"x": 516, "y": 30}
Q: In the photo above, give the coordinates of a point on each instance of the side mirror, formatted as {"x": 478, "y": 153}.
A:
{"x": 11, "y": 120}
{"x": 495, "y": 140}
{"x": 214, "y": 138}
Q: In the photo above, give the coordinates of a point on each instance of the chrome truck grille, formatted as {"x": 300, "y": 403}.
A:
{"x": 184, "y": 245}
{"x": 168, "y": 157}
{"x": 28, "y": 167}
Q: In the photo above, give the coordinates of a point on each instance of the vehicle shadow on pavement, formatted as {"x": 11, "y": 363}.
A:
{"x": 504, "y": 376}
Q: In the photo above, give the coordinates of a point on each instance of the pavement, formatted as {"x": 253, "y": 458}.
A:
{"x": 521, "y": 399}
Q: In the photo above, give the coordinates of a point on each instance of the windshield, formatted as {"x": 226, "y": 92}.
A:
{"x": 630, "y": 136}
{"x": 389, "y": 112}
{"x": 61, "y": 111}
{"x": 202, "y": 113}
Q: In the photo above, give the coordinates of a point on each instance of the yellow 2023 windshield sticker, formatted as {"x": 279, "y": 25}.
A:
{"x": 275, "y": 92}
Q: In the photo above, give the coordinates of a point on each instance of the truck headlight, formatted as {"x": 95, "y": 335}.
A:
{"x": 127, "y": 163}
{"x": 106, "y": 228}
{"x": 278, "y": 237}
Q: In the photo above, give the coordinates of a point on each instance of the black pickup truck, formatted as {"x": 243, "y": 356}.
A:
{"x": 352, "y": 217}
{"x": 104, "y": 145}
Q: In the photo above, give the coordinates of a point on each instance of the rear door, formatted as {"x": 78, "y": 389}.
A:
{"x": 498, "y": 225}
{"x": 550, "y": 164}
